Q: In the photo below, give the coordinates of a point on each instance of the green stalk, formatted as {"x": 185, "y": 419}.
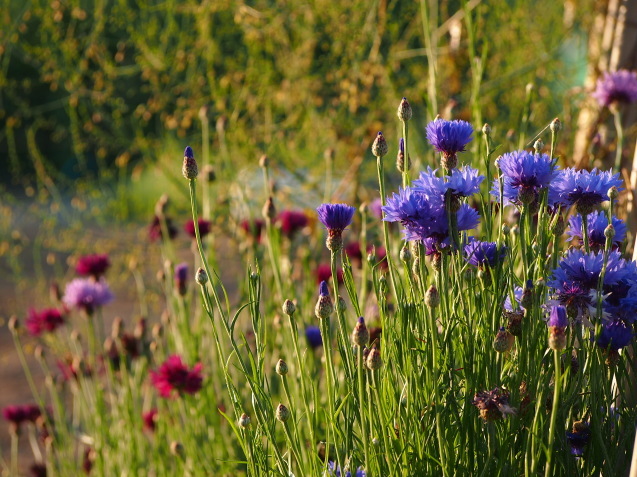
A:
{"x": 406, "y": 158}
{"x": 556, "y": 399}
{"x": 619, "y": 147}
{"x": 329, "y": 383}
{"x": 361, "y": 404}
{"x": 390, "y": 261}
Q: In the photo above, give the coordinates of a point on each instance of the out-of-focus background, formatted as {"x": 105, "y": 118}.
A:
{"x": 99, "y": 98}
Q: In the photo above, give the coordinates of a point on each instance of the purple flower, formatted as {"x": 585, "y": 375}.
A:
{"x": 87, "y": 294}
{"x": 619, "y": 86}
{"x": 615, "y": 334}
{"x": 597, "y": 223}
{"x": 479, "y": 253}
{"x": 413, "y": 210}
{"x": 376, "y": 208}
{"x": 517, "y": 292}
{"x": 174, "y": 375}
{"x": 449, "y": 137}
{"x": 313, "y": 336}
{"x": 92, "y": 265}
{"x": 155, "y": 231}
{"x": 524, "y": 175}
{"x": 47, "y": 320}
{"x": 323, "y": 289}
{"x": 204, "y": 227}
{"x": 335, "y": 217}
{"x": 461, "y": 183}
{"x": 582, "y": 188}
{"x": 578, "y": 439}
{"x": 181, "y": 278}
{"x": 493, "y": 405}
{"x": 334, "y": 470}
{"x": 292, "y": 221}
{"x": 558, "y": 317}
{"x": 583, "y": 269}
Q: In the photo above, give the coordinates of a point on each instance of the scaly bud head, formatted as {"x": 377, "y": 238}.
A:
{"x": 189, "y": 168}
{"x": 282, "y": 413}
{"x": 374, "y": 361}
{"x": 379, "y": 147}
{"x": 432, "y": 297}
{"x": 556, "y": 125}
{"x": 281, "y": 368}
{"x": 538, "y": 146}
{"x": 404, "y": 110}
{"x": 324, "y": 307}
{"x": 486, "y": 129}
{"x": 360, "y": 335}
{"x": 289, "y": 307}
{"x": 503, "y": 341}
{"x": 244, "y": 420}
{"x": 201, "y": 277}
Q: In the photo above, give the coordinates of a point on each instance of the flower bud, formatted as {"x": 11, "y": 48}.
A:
{"x": 486, "y": 129}
{"x": 514, "y": 324}
{"x": 503, "y": 341}
{"x": 244, "y": 420}
{"x": 269, "y": 211}
{"x": 405, "y": 254}
{"x": 282, "y": 413}
{"x": 13, "y": 324}
{"x": 558, "y": 225}
{"x": 201, "y": 277}
{"x": 613, "y": 193}
{"x": 289, "y": 307}
{"x": 264, "y": 161}
{"x": 506, "y": 230}
{"x": 374, "y": 360}
{"x": 556, "y": 125}
{"x": 404, "y": 110}
{"x": 379, "y": 147}
{"x": 432, "y": 297}
{"x": 281, "y": 368}
{"x": 177, "y": 449}
{"x": 324, "y": 307}
{"x": 609, "y": 232}
{"x": 538, "y": 146}
{"x": 189, "y": 168}
{"x": 360, "y": 335}
{"x": 341, "y": 306}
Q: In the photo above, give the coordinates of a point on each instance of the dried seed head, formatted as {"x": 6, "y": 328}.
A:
{"x": 379, "y": 147}
{"x": 281, "y": 368}
{"x": 189, "y": 168}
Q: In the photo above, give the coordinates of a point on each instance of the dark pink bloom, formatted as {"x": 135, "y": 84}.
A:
{"x": 154, "y": 230}
{"x": 16, "y": 415}
{"x": 324, "y": 273}
{"x": 37, "y": 470}
{"x": 175, "y": 375}
{"x": 93, "y": 265}
{"x": 204, "y": 227}
{"x": 150, "y": 419}
{"x": 44, "y": 320}
{"x": 253, "y": 228}
{"x": 353, "y": 251}
{"x": 292, "y": 221}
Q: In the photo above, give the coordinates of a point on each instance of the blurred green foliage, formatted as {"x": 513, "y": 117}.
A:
{"x": 96, "y": 88}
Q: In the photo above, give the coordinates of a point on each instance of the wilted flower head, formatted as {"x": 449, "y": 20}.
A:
{"x": 596, "y": 223}
{"x": 449, "y": 137}
{"x": 292, "y": 221}
{"x": 617, "y": 87}
{"x": 48, "y": 320}
{"x": 493, "y": 405}
{"x": 525, "y": 175}
{"x": 173, "y": 374}
{"x": 93, "y": 265}
{"x": 582, "y": 188}
{"x": 204, "y": 227}
{"x": 87, "y": 294}
{"x": 155, "y": 231}
{"x": 480, "y": 254}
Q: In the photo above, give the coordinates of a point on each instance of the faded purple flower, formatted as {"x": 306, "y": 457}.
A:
{"x": 87, "y": 294}
{"x": 619, "y": 86}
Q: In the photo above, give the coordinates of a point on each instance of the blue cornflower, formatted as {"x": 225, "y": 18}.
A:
{"x": 449, "y": 137}
{"x": 335, "y": 218}
{"x": 583, "y": 269}
{"x": 313, "y": 336}
{"x": 517, "y": 292}
{"x": 430, "y": 185}
{"x": 578, "y": 439}
{"x": 619, "y": 86}
{"x": 524, "y": 176}
{"x": 461, "y": 183}
{"x": 582, "y": 188}
{"x": 479, "y": 253}
{"x": 334, "y": 470}
{"x": 413, "y": 210}
{"x": 615, "y": 334}
{"x": 597, "y": 223}
{"x": 558, "y": 317}
{"x": 468, "y": 218}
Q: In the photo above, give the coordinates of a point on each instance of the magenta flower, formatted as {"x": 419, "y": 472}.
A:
{"x": 619, "y": 86}
{"x": 87, "y": 294}
{"x": 175, "y": 375}
{"x": 292, "y": 221}
{"x": 155, "y": 232}
{"x": 204, "y": 227}
{"x": 93, "y": 265}
{"x": 150, "y": 419}
{"x": 253, "y": 229}
{"x": 47, "y": 320}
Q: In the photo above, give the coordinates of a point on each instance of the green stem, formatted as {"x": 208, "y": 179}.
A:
{"x": 406, "y": 158}
{"x": 620, "y": 139}
{"x": 388, "y": 250}
{"x": 556, "y": 400}
{"x": 361, "y": 404}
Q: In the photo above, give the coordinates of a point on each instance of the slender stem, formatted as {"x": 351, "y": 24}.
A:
{"x": 585, "y": 233}
{"x": 390, "y": 261}
{"x": 361, "y": 404}
{"x": 556, "y": 400}
{"x": 406, "y": 158}
{"x": 329, "y": 381}
{"x": 620, "y": 139}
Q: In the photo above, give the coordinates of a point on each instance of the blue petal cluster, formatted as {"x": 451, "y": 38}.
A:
{"x": 480, "y": 254}
{"x": 461, "y": 183}
{"x": 582, "y": 188}
{"x": 615, "y": 334}
{"x": 558, "y": 317}
{"x": 336, "y": 217}
{"x": 597, "y": 223}
{"x": 524, "y": 174}
{"x": 449, "y": 137}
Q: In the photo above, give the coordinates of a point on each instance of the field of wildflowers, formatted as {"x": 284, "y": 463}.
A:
{"x": 475, "y": 321}
{"x": 470, "y": 310}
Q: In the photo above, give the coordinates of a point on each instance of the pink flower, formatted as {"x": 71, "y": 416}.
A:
{"x": 292, "y": 221}
{"x": 150, "y": 419}
{"x": 324, "y": 273}
{"x": 48, "y": 320}
{"x": 87, "y": 294}
{"x": 204, "y": 227}
{"x": 93, "y": 265}
{"x": 175, "y": 375}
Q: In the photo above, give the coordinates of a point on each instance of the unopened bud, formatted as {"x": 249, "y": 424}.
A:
{"x": 360, "y": 335}
{"x": 556, "y": 125}
{"x": 557, "y": 338}
{"x": 538, "y": 146}
{"x": 505, "y": 230}
{"x": 514, "y": 324}
{"x": 244, "y": 420}
{"x": 558, "y": 225}
{"x": 432, "y": 297}
{"x": 13, "y": 324}
{"x": 177, "y": 449}
{"x": 503, "y": 341}
{"x": 405, "y": 254}
{"x": 374, "y": 361}
{"x": 282, "y": 413}
{"x": 609, "y": 232}
{"x": 189, "y": 168}
{"x": 201, "y": 277}
{"x": 264, "y": 161}
{"x": 379, "y": 147}
{"x": 486, "y": 129}
{"x": 341, "y": 306}
{"x": 289, "y": 307}
{"x": 404, "y": 110}
{"x": 613, "y": 193}
{"x": 324, "y": 307}
{"x": 281, "y": 368}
